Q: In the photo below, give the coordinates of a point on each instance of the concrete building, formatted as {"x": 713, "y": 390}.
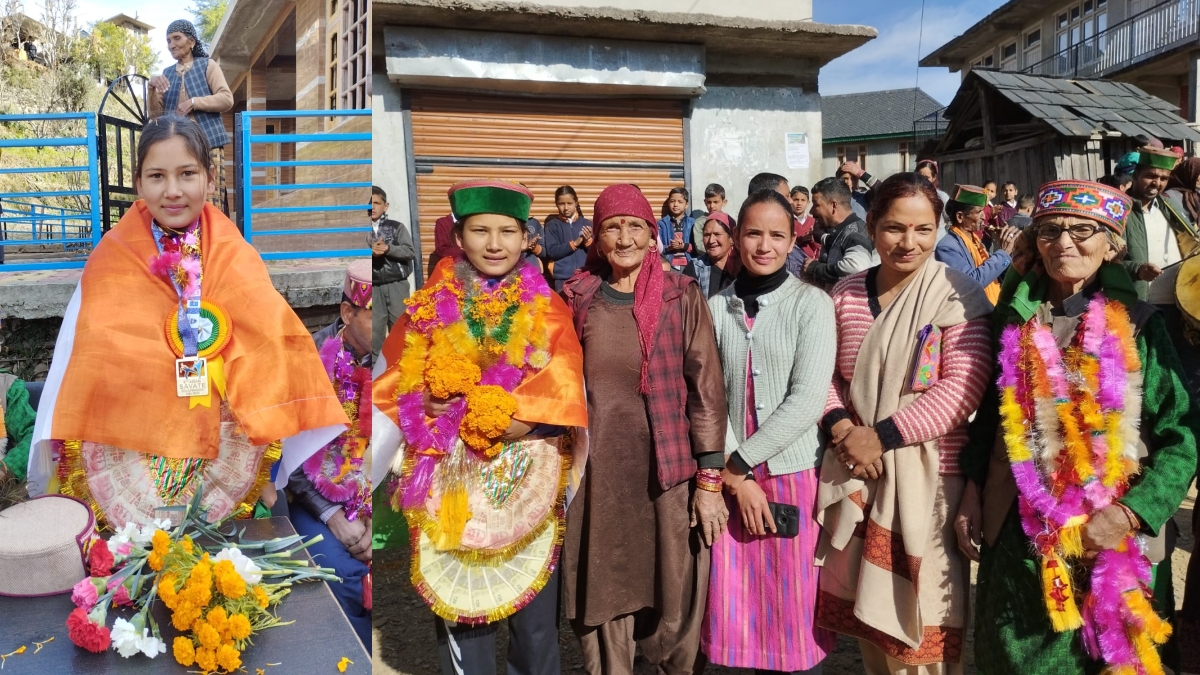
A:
{"x": 594, "y": 92}
{"x": 875, "y": 129}
{"x": 130, "y": 23}
{"x": 1152, "y": 44}
{"x": 290, "y": 55}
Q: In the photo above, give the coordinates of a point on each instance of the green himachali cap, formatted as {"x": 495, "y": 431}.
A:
{"x": 1157, "y": 158}
{"x": 473, "y": 197}
{"x": 970, "y": 195}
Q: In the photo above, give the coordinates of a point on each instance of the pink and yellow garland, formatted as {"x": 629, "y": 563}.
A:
{"x": 1070, "y": 426}
{"x": 336, "y": 470}
{"x": 473, "y": 340}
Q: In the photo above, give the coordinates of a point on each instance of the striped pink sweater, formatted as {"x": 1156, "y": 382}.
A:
{"x": 941, "y": 412}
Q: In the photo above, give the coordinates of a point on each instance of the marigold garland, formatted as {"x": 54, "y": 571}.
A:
{"x": 471, "y": 340}
{"x": 1069, "y": 422}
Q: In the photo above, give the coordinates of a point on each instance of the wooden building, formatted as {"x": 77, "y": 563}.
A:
{"x": 1031, "y": 130}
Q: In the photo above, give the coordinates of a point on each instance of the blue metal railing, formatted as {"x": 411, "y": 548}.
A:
{"x": 246, "y": 186}
{"x": 20, "y": 208}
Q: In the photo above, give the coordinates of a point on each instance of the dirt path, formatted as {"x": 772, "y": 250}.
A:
{"x": 404, "y": 641}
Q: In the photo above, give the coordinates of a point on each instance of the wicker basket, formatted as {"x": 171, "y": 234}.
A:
{"x": 42, "y": 543}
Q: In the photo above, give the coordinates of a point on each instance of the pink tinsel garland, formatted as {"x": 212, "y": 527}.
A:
{"x": 1108, "y": 619}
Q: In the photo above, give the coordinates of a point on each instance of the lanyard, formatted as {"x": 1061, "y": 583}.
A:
{"x": 189, "y": 307}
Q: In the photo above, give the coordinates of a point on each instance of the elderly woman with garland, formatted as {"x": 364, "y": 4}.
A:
{"x": 194, "y": 87}
{"x": 636, "y": 558}
{"x": 1080, "y": 454}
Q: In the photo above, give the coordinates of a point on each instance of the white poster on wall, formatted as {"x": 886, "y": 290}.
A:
{"x": 796, "y": 149}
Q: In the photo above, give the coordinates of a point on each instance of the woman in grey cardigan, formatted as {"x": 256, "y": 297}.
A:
{"x": 778, "y": 341}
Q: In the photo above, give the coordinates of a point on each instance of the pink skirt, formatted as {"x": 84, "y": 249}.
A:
{"x": 762, "y": 594}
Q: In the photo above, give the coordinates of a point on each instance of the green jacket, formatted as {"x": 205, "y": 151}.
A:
{"x": 18, "y": 422}
{"x": 1170, "y": 419}
{"x": 1135, "y": 235}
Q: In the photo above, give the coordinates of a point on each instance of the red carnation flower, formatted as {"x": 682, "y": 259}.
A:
{"x": 86, "y": 634}
{"x": 100, "y": 560}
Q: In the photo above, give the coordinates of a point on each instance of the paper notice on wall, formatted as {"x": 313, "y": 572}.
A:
{"x": 796, "y": 148}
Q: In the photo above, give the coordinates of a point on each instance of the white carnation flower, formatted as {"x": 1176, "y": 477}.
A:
{"x": 246, "y": 569}
{"x": 125, "y": 638}
{"x": 152, "y": 646}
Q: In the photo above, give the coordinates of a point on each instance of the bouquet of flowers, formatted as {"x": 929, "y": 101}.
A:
{"x": 219, "y": 597}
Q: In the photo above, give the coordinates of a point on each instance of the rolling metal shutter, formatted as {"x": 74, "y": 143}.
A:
{"x": 543, "y": 143}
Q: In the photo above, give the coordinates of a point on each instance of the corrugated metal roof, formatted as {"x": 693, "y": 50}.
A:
{"x": 1079, "y": 108}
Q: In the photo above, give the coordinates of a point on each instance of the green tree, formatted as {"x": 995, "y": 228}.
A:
{"x": 208, "y": 15}
{"x": 112, "y": 51}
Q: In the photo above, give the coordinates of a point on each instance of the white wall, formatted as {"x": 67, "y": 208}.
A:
{"x": 737, "y": 132}
{"x": 389, "y": 162}
{"x": 883, "y": 157}
{"x": 776, "y": 10}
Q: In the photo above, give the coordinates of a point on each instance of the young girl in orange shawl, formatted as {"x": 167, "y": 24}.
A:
{"x": 178, "y": 363}
{"x": 484, "y": 374}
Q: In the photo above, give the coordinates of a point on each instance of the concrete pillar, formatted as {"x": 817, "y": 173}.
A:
{"x": 1192, "y": 85}
{"x": 256, "y": 99}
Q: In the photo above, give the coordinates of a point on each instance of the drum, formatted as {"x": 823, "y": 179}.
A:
{"x": 1187, "y": 296}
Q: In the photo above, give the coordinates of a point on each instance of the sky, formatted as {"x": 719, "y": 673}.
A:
{"x": 890, "y": 60}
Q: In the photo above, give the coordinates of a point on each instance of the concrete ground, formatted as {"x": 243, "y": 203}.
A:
{"x": 404, "y": 641}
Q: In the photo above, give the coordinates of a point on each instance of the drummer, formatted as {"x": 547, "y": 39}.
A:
{"x": 1162, "y": 234}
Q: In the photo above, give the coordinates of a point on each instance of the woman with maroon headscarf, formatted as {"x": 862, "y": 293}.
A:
{"x": 635, "y": 561}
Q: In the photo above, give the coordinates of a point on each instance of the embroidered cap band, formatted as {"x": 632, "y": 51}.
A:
{"x": 1101, "y": 203}
{"x": 1157, "y": 158}
{"x": 474, "y": 197}
{"x": 970, "y": 194}
{"x": 357, "y": 286}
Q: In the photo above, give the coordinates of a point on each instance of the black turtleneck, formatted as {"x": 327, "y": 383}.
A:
{"x": 749, "y": 287}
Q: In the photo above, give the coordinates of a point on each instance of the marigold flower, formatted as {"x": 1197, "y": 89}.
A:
{"x": 206, "y": 659}
{"x": 166, "y": 590}
{"x": 239, "y": 626}
{"x": 184, "y": 651}
{"x": 185, "y": 614}
{"x": 161, "y": 542}
{"x": 155, "y": 561}
{"x": 229, "y": 658}
{"x": 262, "y": 597}
{"x": 451, "y": 375}
{"x": 229, "y": 582}
{"x": 208, "y": 636}
{"x": 217, "y": 618}
{"x": 186, "y": 543}
{"x": 489, "y": 412}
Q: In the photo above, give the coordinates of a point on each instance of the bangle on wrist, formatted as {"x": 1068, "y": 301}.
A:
{"x": 709, "y": 480}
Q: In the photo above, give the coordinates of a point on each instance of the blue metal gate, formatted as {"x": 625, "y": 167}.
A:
{"x": 25, "y": 218}
{"x": 246, "y": 187}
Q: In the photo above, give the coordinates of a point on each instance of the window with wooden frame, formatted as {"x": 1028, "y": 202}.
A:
{"x": 1008, "y": 56}
{"x": 902, "y": 150}
{"x": 1032, "y": 46}
{"x": 841, "y": 155}
{"x": 862, "y": 157}
{"x": 354, "y": 84}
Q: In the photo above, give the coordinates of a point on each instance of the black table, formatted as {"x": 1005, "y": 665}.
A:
{"x": 319, "y": 638}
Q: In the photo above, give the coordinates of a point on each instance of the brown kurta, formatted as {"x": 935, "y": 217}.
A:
{"x": 632, "y": 565}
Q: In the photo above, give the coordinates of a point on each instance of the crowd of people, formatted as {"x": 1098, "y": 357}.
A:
{"x": 729, "y": 439}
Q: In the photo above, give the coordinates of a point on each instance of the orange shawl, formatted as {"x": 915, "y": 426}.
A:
{"x": 979, "y": 255}
{"x": 553, "y": 395}
{"x": 119, "y": 387}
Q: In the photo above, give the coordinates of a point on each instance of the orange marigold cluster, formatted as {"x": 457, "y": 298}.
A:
{"x": 489, "y": 413}
{"x": 449, "y": 375}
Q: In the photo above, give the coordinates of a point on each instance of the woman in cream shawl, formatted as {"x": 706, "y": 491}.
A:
{"x": 913, "y": 361}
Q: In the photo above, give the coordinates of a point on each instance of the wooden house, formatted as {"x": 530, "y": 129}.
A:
{"x": 1031, "y": 129}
